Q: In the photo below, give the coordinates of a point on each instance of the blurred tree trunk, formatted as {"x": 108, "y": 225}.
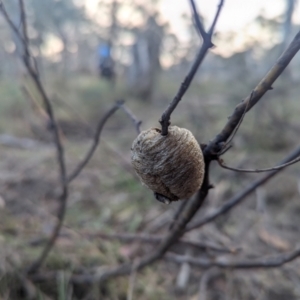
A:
{"x": 145, "y": 65}
{"x": 287, "y": 29}
{"x": 16, "y": 18}
{"x": 290, "y": 6}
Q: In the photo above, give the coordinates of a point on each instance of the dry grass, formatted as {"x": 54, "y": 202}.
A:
{"x": 107, "y": 197}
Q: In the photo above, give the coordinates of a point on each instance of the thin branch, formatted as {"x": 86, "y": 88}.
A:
{"x": 137, "y": 123}
{"x": 23, "y": 21}
{"x": 28, "y": 57}
{"x": 197, "y": 19}
{"x": 91, "y": 131}
{"x": 59, "y": 147}
{"x": 267, "y": 262}
{"x": 207, "y": 44}
{"x": 213, "y": 25}
{"x": 10, "y": 22}
{"x": 227, "y": 144}
{"x": 242, "y": 195}
{"x": 212, "y": 150}
{"x": 96, "y": 141}
{"x": 263, "y": 86}
{"x": 223, "y": 165}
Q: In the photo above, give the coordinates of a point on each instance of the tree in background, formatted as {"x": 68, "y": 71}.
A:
{"x": 145, "y": 53}
{"x": 287, "y": 25}
{"x": 209, "y": 255}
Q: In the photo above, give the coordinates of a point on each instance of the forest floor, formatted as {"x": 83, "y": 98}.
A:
{"x": 107, "y": 198}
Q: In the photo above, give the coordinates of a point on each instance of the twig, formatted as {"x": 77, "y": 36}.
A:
{"x": 222, "y": 164}
{"x": 268, "y": 262}
{"x": 59, "y": 147}
{"x": 242, "y": 195}
{"x": 213, "y": 25}
{"x": 263, "y": 86}
{"x": 96, "y": 140}
{"x": 23, "y": 37}
{"x": 207, "y": 44}
{"x": 23, "y": 20}
{"x": 137, "y": 123}
{"x": 91, "y": 131}
{"x": 227, "y": 144}
{"x": 10, "y": 22}
{"x": 212, "y": 150}
{"x": 197, "y": 19}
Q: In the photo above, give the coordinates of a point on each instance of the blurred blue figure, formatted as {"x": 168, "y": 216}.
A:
{"x": 106, "y": 63}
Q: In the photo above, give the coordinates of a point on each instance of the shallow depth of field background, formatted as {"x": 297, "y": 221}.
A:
{"x": 152, "y": 49}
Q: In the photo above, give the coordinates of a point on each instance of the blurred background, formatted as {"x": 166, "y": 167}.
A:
{"x": 90, "y": 53}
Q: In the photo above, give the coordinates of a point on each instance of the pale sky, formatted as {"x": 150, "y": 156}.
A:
{"x": 235, "y": 15}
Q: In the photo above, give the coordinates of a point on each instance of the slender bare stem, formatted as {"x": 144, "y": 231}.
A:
{"x": 96, "y": 141}
{"x": 207, "y": 44}
{"x": 213, "y": 25}
{"x": 10, "y": 22}
{"x": 223, "y": 165}
{"x": 137, "y": 123}
{"x": 58, "y": 143}
{"x": 263, "y": 86}
{"x": 24, "y": 21}
{"x": 198, "y": 21}
{"x": 227, "y": 144}
{"x": 242, "y": 195}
